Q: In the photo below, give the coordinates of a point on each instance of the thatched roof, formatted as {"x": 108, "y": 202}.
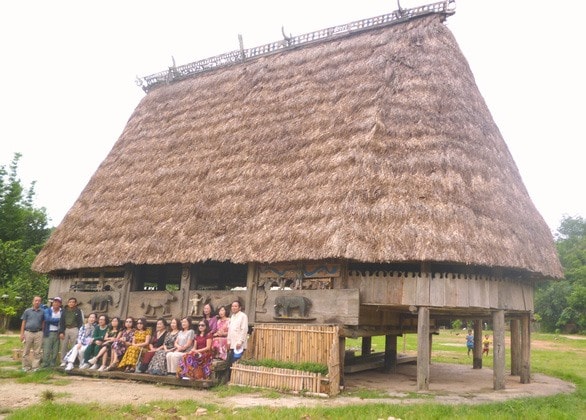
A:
{"x": 373, "y": 147}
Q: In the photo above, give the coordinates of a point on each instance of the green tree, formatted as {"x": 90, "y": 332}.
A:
{"x": 562, "y": 303}
{"x": 23, "y": 231}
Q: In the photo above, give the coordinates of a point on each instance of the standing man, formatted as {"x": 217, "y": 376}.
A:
{"x": 51, "y": 333}
{"x": 237, "y": 333}
{"x": 69, "y": 325}
{"x": 31, "y": 333}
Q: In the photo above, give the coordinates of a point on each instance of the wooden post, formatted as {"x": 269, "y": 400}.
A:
{"x": 430, "y": 346}
{"x": 498, "y": 322}
{"x": 525, "y": 350}
{"x": 251, "y": 281}
{"x": 423, "y": 349}
{"x": 129, "y": 285}
{"x": 390, "y": 353}
{"x": 515, "y": 347}
{"x": 342, "y": 351}
{"x": 366, "y": 345}
{"x": 477, "y": 351}
{"x": 184, "y": 288}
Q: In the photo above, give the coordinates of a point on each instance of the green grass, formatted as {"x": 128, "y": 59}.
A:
{"x": 562, "y": 357}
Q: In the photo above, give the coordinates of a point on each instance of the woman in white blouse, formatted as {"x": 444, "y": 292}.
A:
{"x": 183, "y": 344}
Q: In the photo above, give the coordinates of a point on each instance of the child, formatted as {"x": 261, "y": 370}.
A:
{"x": 470, "y": 341}
{"x": 485, "y": 345}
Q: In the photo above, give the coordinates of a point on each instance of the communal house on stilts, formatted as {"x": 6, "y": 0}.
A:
{"x": 352, "y": 177}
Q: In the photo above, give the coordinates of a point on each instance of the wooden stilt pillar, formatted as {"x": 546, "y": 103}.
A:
{"x": 498, "y": 322}
{"x": 525, "y": 350}
{"x": 423, "y": 349}
{"x": 342, "y": 352}
{"x": 515, "y": 347}
{"x": 390, "y": 353}
{"x": 366, "y": 345}
{"x": 477, "y": 352}
{"x": 430, "y": 346}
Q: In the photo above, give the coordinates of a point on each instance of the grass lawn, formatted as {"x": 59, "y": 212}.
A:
{"x": 559, "y": 356}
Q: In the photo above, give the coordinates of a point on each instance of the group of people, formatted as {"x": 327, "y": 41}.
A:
{"x": 470, "y": 343}
{"x": 173, "y": 348}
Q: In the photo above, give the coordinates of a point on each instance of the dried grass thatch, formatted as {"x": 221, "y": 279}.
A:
{"x": 373, "y": 147}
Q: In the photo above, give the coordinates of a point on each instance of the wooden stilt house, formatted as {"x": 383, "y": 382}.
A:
{"x": 352, "y": 176}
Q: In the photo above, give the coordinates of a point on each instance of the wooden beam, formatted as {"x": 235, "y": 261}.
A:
{"x": 498, "y": 322}
{"x": 525, "y": 350}
{"x": 423, "y": 349}
{"x": 515, "y": 347}
{"x": 355, "y": 332}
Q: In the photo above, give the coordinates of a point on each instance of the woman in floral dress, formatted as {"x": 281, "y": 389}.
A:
{"x": 140, "y": 341}
{"x": 123, "y": 340}
{"x": 197, "y": 363}
{"x": 158, "y": 364}
{"x": 220, "y": 337}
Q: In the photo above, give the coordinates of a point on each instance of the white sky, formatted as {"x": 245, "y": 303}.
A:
{"x": 68, "y": 71}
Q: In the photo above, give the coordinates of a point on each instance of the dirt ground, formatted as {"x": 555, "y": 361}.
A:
{"x": 449, "y": 384}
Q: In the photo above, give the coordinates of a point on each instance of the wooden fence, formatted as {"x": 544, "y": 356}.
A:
{"x": 277, "y": 378}
{"x": 295, "y": 343}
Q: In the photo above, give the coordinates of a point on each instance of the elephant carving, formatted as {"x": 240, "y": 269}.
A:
{"x": 286, "y": 305}
{"x": 100, "y": 303}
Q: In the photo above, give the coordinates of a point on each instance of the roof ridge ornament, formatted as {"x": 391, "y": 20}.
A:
{"x": 176, "y": 73}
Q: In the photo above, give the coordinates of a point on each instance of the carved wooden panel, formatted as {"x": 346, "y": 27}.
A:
{"x": 309, "y": 306}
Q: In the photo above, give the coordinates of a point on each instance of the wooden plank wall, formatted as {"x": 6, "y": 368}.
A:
{"x": 447, "y": 290}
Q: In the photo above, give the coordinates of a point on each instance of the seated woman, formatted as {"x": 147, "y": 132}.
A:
{"x": 121, "y": 343}
{"x": 182, "y": 344}
{"x": 220, "y": 337}
{"x": 158, "y": 364}
{"x": 197, "y": 363}
{"x": 140, "y": 341}
{"x": 84, "y": 338}
{"x": 156, "y": 343}
{"x": 92, "y": 350}
{"x": 109, "y": 339}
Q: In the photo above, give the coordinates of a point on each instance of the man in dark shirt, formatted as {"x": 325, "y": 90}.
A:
{"x": 31, "y": 333}
{"x": 69, "y": 325}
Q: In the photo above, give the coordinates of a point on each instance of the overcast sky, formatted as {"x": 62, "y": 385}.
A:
{"x": 68, "y": 70}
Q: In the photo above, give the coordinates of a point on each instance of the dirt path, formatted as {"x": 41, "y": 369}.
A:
{"x": 450, "y": 384}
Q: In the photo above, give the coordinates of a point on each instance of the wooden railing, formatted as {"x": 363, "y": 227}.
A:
{"x": 176, "y": 73}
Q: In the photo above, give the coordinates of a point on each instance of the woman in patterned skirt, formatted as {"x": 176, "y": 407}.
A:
{"x": 197, "y": 363}
{"x": 158, "y": 364}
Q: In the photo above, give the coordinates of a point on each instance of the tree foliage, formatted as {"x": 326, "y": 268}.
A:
{"x": 562, "y": 304}
{"x": 23, "y": 231}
